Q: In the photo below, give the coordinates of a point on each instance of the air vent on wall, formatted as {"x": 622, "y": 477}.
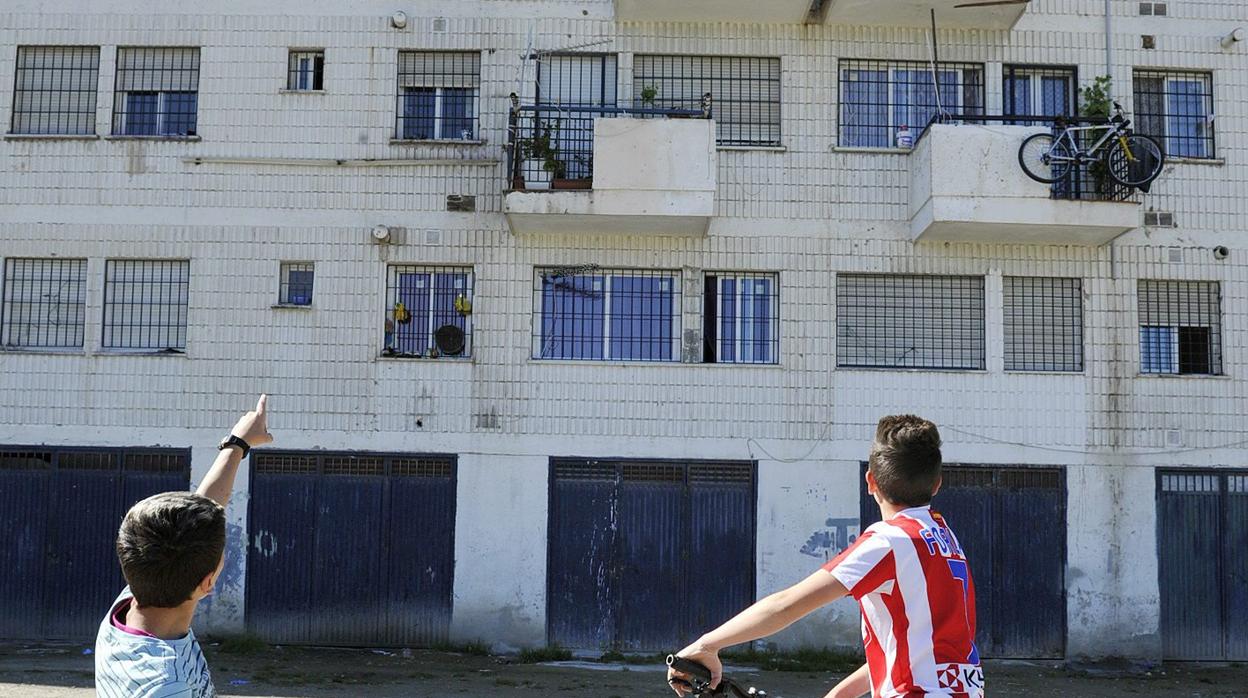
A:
{"x": 1148, "y": 41}
{"x": 439, "y": 25}
{"x": 1156, "y": 9}
{"x": 461, "y": 202}
{"x": 1159, "y": 219}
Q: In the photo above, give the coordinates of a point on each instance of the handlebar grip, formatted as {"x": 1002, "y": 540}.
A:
{"x": 701, "y": 675}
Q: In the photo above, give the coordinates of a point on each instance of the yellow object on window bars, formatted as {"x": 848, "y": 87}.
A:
{"x": 462, "y": 305}
{"x": 401, "y": 315}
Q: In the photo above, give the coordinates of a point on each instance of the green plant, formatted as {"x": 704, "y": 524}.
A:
{"x": 648, "y": 93}
{"x": 537, "y": 655}
{"x": 803, "y": 660}
{"x": 1097, "y": 103}
{"x": 542, "y": 146}
{"x": 243, "y": 644}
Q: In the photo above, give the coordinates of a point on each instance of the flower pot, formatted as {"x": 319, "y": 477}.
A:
{"x": 571, "y": 183}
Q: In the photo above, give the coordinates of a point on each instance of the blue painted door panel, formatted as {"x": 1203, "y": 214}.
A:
{"x": 1012, "y": 524}
{"x": 645, "y": 555}
{"x": 24, "y": 489}
{"x": 351, "y": 549}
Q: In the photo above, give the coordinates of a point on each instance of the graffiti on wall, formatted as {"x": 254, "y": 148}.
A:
{"x": 836, "y": 535}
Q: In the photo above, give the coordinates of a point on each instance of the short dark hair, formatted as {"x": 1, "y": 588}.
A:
{"x": 905, "y": 459}
{"x": 167, "y": 544}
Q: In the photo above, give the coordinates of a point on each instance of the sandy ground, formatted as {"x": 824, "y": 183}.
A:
{"x": 27, "y": 671}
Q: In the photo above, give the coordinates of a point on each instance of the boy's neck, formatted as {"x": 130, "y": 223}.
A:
{"x": 888, "y": 510}
{"x": 164, "y": 623}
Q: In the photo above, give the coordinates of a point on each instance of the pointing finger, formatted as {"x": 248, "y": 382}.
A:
{"x": 261, "y": 404}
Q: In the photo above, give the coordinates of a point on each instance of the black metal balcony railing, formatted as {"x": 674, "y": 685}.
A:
{"x": 551, "y": 146}
{"x": 1089, "y": 182}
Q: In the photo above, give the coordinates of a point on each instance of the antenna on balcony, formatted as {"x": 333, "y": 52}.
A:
{"x": 940, "y": 105}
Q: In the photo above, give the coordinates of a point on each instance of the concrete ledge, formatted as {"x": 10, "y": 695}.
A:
{"x": 622, "y": 212}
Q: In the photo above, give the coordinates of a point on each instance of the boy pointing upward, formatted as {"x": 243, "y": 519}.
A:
{"x": 908, "y": 573}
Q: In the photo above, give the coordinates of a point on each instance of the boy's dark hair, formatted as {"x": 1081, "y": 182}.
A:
{"x": 167, "y": 544}
{"x": 905, "y": 459}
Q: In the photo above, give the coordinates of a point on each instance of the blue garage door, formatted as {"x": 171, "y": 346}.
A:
{"x": 1012, "y": 523}
{"x": 1202, "y": 536}
{"x": 351, "y": 548}
{"x": 59, "y": 513}
{"x": 647, "y": 555}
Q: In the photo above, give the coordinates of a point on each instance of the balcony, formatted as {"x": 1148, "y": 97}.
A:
{"x": 578, "y": 169}
{"x": 966, "y": 185}
{"x": 895, "y": 13}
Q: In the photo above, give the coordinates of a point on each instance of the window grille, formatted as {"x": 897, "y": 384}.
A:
{"x": 1180, "y": 327}
{"x": 145, "y": 304}
{"x": 1029, "y": 90}
{"x": 910, "y": 321}
{"x": 162, "y": 460}
{"x": 879, "y": 97}
{"x": 589, "y": 313}
{"x": 1043, "y": 324}
{"x": 438, "y": 95}
{"x": 1176, "y": 108}
{"x": 277, "y": 462}
{"x": 305, "y": 71}
{"x": 44, "y": 303}
{"x": 157, "y": 92}
{"x": 745, "y": 92}
{"x": 428, "y": 311}
{"x": 566, "y": 138}
{"x": 296, "y": 283}
{"x": 740, "y": 318}
{"x": 55, "y": 89}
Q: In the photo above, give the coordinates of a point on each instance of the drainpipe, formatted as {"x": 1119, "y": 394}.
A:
{"x": 1109, "y": 49}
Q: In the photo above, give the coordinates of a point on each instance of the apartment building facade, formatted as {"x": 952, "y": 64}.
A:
{"x": 577, "y": 317}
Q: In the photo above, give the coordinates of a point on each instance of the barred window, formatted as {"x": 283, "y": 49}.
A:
{"x": 157, "y": 92}
{"x": 438, "y": 95}
{"x": 606, "y": 314}
{"x": 295, "y": 287}
{"x": 428, "y": 311}
{"x": 55, "y": 88}
{"x": 740, "y": 318}
{"x": 44, "y": 303}
{"x": 1043, "y": 324}
{"x": 1030, "y": 90}
{"x": 1176, "y": 108}
{"x": 1180, "y": 327}
{"x": 745, "y": 92}
{"x": 145, "y": 303}
{"x": 879, "y": 97}
{"x": 910, "y": 321}
{"x": 305, "y": 71}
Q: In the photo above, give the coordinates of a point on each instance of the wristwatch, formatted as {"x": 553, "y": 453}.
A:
{"x": 233, "y": 440}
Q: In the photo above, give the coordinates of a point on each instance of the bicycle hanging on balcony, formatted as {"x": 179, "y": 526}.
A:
{"x": 1130, "y": 159}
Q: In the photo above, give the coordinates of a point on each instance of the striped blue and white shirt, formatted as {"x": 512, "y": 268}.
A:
{"x": 142, "y": 666}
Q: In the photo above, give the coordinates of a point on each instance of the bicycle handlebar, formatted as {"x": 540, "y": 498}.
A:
{"x": 699, "y": 682}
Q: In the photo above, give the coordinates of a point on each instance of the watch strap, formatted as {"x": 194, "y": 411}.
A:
{"x": 233, "y": 440}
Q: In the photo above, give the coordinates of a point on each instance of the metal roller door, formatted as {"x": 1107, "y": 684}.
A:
{"x": 350, "y": 548}
{"x": 59, "y": 513}
{"x": 1202, "y": 536}
{"x": 632, "y": 544}
{"x": 994, "y": 511}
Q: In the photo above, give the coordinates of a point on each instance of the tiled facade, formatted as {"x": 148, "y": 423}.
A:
{"x": 308, "y": 176}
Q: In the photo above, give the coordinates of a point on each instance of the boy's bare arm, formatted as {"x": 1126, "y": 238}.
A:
{"x": 252, "y": 428}
{"x": 767, "y": 616}
{"x": 855, "y": 685}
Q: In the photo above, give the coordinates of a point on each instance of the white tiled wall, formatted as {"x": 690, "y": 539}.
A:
{"x": 806, "y": 212}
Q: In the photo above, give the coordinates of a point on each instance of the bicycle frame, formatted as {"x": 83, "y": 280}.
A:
{"x": 1111, "y": 130}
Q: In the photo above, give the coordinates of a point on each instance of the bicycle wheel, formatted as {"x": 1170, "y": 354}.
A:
{"x": 1137, "y": 165}
{"x": 1045, "y": 159}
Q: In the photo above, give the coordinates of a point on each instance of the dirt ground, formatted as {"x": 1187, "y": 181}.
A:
{"x": 28, "y": 671}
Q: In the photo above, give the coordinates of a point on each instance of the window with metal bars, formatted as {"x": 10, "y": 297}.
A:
{"x": 745, "y": 91}
{"x": 1035, "y": 90}
{"x": 305, "y": 70}
{"x": 149, "y": 460}
{"x": 910, "y": 321}
{"x": 1043, "y": 319}
{"x": 349, "y": 463}
{"x": 1180, "y": 327}
{"x": 44, "y": 303}
{"x": 1176, "y": 108}
{"x": 54, "y": 90}
{"x": 740, "y": 318}
{"x": 295, "y": 286}
{"x": 588, "y": 313}
{"x": 428, "y": 311}
{"x": 145, "y": 304}
{"x": 572, "y": 90}
{"x": 878, "y": 98}
{"x": 157, "y": 92}
{"x": 438, "y": 95}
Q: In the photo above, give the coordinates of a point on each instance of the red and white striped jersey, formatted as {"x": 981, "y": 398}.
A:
{"x": 912, "y": 580}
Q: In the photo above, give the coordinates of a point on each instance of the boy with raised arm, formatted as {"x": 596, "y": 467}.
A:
{"x": 171, "y": 547}
{"x": 908, "y": 574}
